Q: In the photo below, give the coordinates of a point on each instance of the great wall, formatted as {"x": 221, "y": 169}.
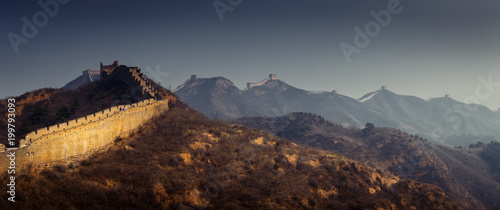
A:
{"x": 90, "y": 133}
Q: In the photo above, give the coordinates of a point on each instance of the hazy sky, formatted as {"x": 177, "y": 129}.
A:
{"x": 428, "y": 49}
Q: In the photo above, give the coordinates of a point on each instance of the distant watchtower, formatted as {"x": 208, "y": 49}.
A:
{"x": 383, "y": 87}
{"x": 335, "y": 91}
{"x": 272, "y": 76}
{"x": 447, "y": 95}
{"x": 107, "y": 70}
{"x": 193, "y": 77}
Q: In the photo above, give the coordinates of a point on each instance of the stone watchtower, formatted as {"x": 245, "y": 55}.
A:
{"x": 107, "y": 70}
{"x": 272, "y": 76}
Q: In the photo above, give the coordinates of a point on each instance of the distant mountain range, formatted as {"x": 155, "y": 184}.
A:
{"x": 435, "y": 118}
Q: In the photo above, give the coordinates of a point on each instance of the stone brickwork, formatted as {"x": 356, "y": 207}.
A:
{"x": 131, "y": 74}
{"x": 106, "y": 70}
{"x": 141, "y": 80}
{"x": 83, "y": 135}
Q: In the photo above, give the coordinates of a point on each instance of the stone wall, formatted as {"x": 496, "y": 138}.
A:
{"x": 83, "y": 135}
{"x": 142, "y": 81}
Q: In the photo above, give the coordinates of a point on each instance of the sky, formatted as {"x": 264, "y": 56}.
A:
{"x": 426, "y": 48}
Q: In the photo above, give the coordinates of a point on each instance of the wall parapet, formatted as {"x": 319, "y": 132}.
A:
{"x": 101, "y": 115}
{"x": 33, "y": 136}
{"x": 61, "y": 141}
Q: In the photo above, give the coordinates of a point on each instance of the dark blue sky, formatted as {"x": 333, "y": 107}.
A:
{"x": 429, "y": 49}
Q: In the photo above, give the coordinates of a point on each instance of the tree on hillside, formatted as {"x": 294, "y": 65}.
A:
{"x": 368, "y": 127}
{"x": 63, "y": 114}
{"x": 75, "y": 106}
{"x": 39, "y": 116}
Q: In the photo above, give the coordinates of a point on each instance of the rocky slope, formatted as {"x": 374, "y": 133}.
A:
{"x": 461, "y": 173}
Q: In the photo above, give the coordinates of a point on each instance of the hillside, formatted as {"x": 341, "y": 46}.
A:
{"x": 182, "y": 159}
{"x": 461, "y": 173}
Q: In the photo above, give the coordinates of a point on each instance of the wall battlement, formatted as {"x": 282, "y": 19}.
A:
{"x": 106, "y": 70}
{"x": 33, "y": 136}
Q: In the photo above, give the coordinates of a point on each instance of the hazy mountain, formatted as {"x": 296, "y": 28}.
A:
{"x": 86, "y": 77}
{"x": 412, "y": 114}
{"x": 461, "y": 173}
{"x": 218, "y": 97}
{"x": 468, "y": 118}
{"x": 436, "y": 118}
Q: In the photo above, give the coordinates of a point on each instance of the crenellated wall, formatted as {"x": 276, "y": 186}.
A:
{"x": 85, "y": 134}
{"x": 142, "y": 81}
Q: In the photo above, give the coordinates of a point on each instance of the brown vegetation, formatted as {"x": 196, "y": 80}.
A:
{"x": 184, "y": 160}
{"x": 461, "y": 175}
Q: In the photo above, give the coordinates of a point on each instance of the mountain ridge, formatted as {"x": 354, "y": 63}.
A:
{"x": 273, "y": 97}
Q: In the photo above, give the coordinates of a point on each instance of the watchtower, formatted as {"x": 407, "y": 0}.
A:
{"x": 272, "y": 76}
{"x": 107, "y": 70}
